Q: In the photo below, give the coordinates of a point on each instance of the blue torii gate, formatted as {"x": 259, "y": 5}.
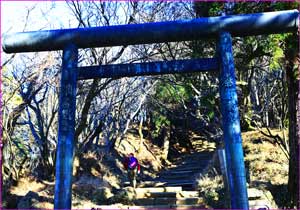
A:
{"x": 221, "y": 28}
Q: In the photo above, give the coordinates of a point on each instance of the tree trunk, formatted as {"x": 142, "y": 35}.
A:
{"x": 297, "y": 143}
{"x": 141, "y": 136}
{"x": 166, "y": 143}
{"x": 294, "y": 142}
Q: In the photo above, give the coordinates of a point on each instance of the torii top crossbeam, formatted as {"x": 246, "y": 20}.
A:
{"x": 237, "y": 25}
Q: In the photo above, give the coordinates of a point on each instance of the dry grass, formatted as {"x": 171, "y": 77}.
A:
{"x": 207, "y": 183}
{"x": 22, "y": 194}
{"x": 94, "y": 177}
{"x": 25, "y": 185}
{"x": 267, "y": 165}
{"x": 149, "y": 155}
{"x": 266, "y": 161}
{"x": 211, "y": 188}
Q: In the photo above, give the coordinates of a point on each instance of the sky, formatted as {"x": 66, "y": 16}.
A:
{"x": 13, "y": 15}
{"x": 44, "y": 15}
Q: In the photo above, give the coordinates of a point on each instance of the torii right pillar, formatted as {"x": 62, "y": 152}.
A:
{"x": 231, "y": 125}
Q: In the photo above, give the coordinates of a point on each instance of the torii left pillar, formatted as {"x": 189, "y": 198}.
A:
{"x": 66, "y": 128}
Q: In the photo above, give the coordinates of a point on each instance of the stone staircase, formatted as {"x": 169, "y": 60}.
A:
{"x": 259, "y": 199}
{"x": 174, "y": 186}
{"x": 182, "y": 173}
{"x": 167, "y": 197}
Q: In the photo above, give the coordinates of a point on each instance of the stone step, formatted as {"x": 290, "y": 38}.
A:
{"x": 156, "y": 183}
{"x": 198, "y": 161}
{"x": 156, "y": 195}
{"x": 181, "y": 194}
{"x": 162, "y": 194}
{"x": 169, "y": 201}
{"x": 189, "y": 201}
{"x": 144, "y": 184}
{"x": 201, "y": 140}
{"x": 155, "y": 201}
{"x": 174, "y": 181}
{"x": 194, "y": 162}
{"x": 204, "y": 146}
{"x": 254, "y": 193}
{"x": 179, "y": 183}
{"x": 147, "y": 207}
{"x": 201, "y": 148}
{"x": 199, "y": 164}
{"x": 259, "y": 204}
{"x": 188, "y": 168}
{"x": 188, "y": 194}
{"x": 197, "y": 138}
{"x": 158, "y": 189}
{"x": 178, "y": 172}
{"x": 177, "y": 176}
{"x": 203, "y": 154}
{"x": 198, "y": 155}
{"x": 108, "y": 207}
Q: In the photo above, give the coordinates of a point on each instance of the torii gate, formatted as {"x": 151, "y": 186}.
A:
{"x": 221, "y": 28}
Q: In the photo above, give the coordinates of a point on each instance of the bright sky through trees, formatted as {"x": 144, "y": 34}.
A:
{"x": 39, "y": 13}
{"x": 18, "y": 16}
